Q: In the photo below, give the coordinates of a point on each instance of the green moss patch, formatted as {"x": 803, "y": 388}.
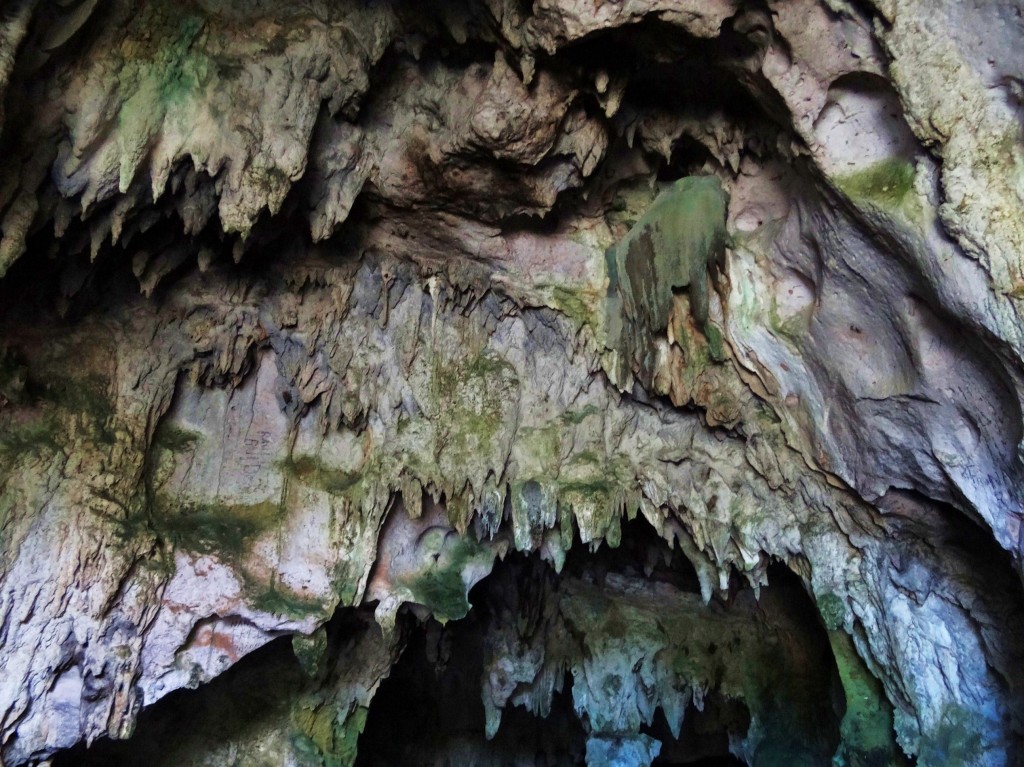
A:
{"x": 716, "y": 342}
{"x": 87, "y": 396}
{"x": 886, "y": 183}
{"x": 43, "y": 426}
{"x": 225, "y": 530}
{"x": 309, "y": 650}
{"x": 441, "y": 588}
{"x": 327, "y": 735}
{"x": 832, "y": 610}
{"x": 868, "y": 735}
{"x": 278, "y": 600}
{"x": 576, "y": 417}
{"x": 38, "y": 432}
{"x": 955, "y": 742}
{"x": 669, "y": 248}
{"x": 580, "y": 306}
{"x": 175, "y": 438}
{"x": 311, "y": 470}
{"x": 473, "y": 397}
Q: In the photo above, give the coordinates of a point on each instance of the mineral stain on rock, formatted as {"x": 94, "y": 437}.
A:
{"x": 671, "y": 248}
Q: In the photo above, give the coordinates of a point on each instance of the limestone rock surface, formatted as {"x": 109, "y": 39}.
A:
{"x": 615, "y": 381}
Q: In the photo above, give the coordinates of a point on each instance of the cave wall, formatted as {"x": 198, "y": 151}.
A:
{"x": 327, "y": 306}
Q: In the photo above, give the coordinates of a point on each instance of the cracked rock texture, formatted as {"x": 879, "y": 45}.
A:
{"x": 640, "y": 379}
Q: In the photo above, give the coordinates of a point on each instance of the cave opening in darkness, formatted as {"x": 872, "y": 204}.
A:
{"x": 614, "y": 660}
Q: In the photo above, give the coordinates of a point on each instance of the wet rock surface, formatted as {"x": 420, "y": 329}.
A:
{"x": 503, "y": 383}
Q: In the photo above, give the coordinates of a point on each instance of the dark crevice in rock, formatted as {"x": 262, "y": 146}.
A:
{"x": 225, "y": 715}
{"x": 688, "y": 158}
{"x": 704, "y": 738}
{"x": 765, "y": 680}
{"x": 429, "y": 712}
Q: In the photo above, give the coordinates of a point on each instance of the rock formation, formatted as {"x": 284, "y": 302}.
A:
{"x": 620, "y": 382}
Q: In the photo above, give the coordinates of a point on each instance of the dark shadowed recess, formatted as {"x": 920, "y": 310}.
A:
{"x": 666, "y": 71}
{"x": 429, "y": 711}
{"x": 256, "y": 691}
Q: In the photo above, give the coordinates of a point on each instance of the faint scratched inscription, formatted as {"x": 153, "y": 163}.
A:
{"x": 257, "y": 451}
{"x": 256, "y": 433}
{"x": 247, "y": 465}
